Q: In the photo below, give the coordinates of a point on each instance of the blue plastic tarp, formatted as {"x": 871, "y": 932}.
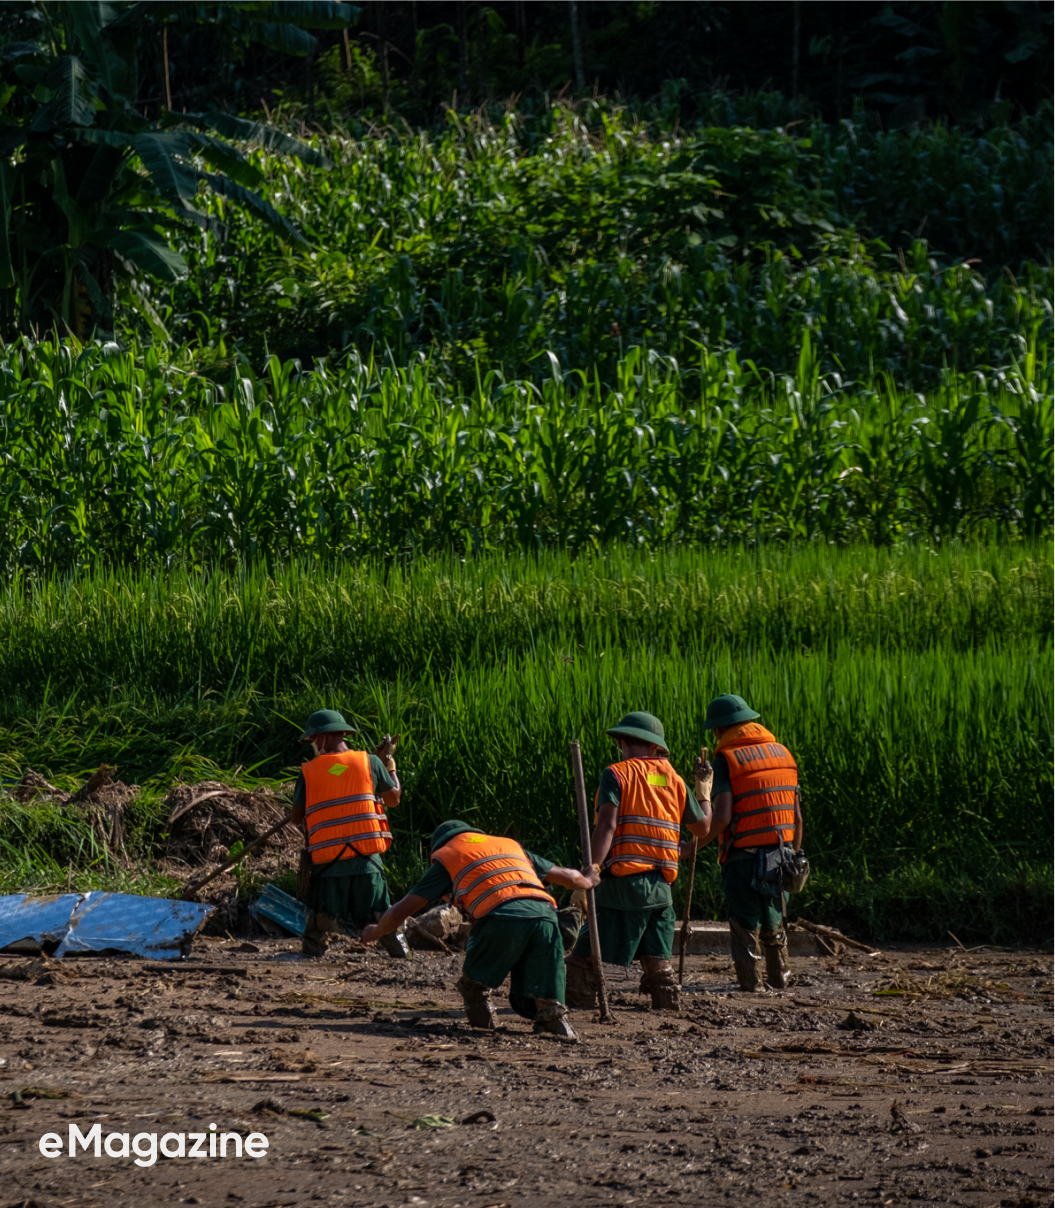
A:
{"x": 156, "y": 928}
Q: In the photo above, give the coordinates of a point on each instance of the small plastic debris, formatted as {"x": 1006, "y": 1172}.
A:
{"x": 280, "y": 908}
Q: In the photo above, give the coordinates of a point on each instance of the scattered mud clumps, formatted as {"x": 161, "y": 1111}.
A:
{"x": 205, "y": 820}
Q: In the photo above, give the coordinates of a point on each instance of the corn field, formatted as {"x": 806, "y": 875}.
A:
{"x": 114, "y": 455}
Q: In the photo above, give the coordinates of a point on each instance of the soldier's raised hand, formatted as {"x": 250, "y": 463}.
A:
{"x": 703, "y": 776}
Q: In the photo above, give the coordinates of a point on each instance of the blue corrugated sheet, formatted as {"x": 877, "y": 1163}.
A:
{"x": 280, "y": 908}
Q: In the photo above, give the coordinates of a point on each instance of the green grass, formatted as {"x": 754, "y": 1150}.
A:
{"x": 914, "y": 686}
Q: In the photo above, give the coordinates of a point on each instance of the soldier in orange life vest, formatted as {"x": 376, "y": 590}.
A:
{"x": 756, "y": 809}
{"x": 515, "y": 932}
{"x": 338, "y": 797}
{"x": 641, "y": 804}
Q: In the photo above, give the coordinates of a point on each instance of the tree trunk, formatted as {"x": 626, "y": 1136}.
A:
{"x": 165, "y": 58}
{"x": 520, "y": 19}
{"x": 463, "y": 50}
{"x": 796, "y": 38}
{"x": 481, "y": 54}
{"x": 576, "y": 44}
{"x": 347, "y": 51}
{"x": 382, "y": 42}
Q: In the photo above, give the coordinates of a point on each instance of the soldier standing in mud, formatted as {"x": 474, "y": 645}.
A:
{"x": 338, "y": 798}
{"x": 640, "y": 806}
{"x": 756, "y": 811}
{"x": 515, "y": 931}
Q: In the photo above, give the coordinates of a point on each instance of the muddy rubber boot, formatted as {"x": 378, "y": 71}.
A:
{"x": 747, "y": 957}
{"x": 552, "y": 1017}
{"x": 775, "y": 949}
{"x": 395, "y": 943}
{"x": 582, "y": 987}
{"x": 477, "y": 999}
{"x": 657, "y": 979}
{"x": 319, "y": 933}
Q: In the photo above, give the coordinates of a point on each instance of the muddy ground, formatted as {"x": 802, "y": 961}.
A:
{"x": 784, "y": 1098}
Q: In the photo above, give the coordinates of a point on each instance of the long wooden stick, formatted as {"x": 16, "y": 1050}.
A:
{"x": 685, "y": 921}
{"x": 688, "y": 903}
{"x": 834, "y": 936}
{"x": 192, "y": 890}
{"x": 587, "y": 859}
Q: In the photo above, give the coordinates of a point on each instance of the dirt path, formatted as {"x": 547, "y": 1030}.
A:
{"x": 787, "y": 1096}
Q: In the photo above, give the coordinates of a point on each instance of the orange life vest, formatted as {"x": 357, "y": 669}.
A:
{"x": 765, "y": 780}
{"x": 487, "y": 871}
{"x": 651, "y": 804}
{"x": 341, "y": 810}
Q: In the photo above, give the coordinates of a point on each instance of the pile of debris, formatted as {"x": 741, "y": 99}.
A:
{"x": 102, "y": 799}
{"x": 206, "y": 820}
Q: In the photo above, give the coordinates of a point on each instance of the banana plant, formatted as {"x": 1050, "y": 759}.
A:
{"x": 91, "y": 190}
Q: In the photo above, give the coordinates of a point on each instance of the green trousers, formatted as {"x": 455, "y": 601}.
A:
{"x": 352, "y": 901}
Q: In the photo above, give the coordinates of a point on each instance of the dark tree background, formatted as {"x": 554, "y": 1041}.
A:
{"x": 964, "y": 62}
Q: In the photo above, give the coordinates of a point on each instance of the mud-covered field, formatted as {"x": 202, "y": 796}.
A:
{"x": 919, "y": 1075}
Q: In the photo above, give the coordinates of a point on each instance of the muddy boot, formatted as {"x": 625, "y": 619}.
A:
{"x": 395, "y": 943}
{"x": 657, "y": 979}
{"x": 747, "y": 957}
{"x": 582, "y": 987}
{"x": 552, "y": 1016}
{"x": 775, "y": 949}
{"x": 477, "y": 999}
{"x": 319, "y": 933}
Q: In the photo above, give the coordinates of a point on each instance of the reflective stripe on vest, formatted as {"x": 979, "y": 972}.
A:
{"x": 651, "y": 804}
{"x": 334, "y": 786}
{"x": 764, "y": 776}
{"x": 503, "y": 872}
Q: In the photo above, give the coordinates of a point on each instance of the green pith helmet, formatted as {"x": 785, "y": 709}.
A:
{"x": 643, "y": 727}
{"x": 728, "y": 710}
{"x": 325, "y": 721}
{"x": 446, "y": 831}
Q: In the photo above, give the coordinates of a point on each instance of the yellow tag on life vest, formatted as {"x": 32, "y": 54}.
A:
{"x": 475, "y": 838}
{"x": 338, "y": 769}
{"x": 657, "y": 778}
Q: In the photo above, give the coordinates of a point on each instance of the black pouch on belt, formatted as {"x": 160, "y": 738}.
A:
{"x": 766, "y": 875}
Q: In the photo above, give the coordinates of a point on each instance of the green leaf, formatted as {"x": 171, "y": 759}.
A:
{"x": 149, "y": 253}
{"x": 315, "y": 14}
{"x": 72, "y": 100}
{"x": 226, "y": 159}
{"x": 263, "y": 209}
{"x": 285, "y": 38}
{"x": 266, "y": 136}
{"x": 433, "y": 1121}
{"x": 158, "y": 153}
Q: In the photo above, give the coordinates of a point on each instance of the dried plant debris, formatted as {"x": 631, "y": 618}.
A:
{"x": 206, "y": 820}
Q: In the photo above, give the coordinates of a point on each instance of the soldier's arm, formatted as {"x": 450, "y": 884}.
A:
{"x": 721, "y": 816}
{"x": 604, "y": 831}
{"x": 571, "y": 878}
{"x": 394, "y": 917}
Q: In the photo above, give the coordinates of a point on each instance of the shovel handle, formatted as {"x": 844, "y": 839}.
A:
{"x": 587, "y": 859}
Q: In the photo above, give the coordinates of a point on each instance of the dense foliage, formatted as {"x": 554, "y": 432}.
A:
{"x": 914, "y": 687}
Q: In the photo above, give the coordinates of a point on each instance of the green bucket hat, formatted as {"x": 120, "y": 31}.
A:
{"x": 325, "y": 721}
{"x": 642, "y": 726}
{"x": 446, "y": 831}
{"x": 728, "y": 710}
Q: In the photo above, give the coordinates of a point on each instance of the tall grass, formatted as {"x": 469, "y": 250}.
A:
{"x": 915, "y": 688}
{"x": 119, "y": 456}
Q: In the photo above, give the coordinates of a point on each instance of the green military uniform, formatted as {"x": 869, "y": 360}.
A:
{"x": 752, "y": 910}
{"x": 520, "y": 940}
{"x": 635, "y": 914}
{"x": 344, "y": 894}
{"x": 756, "y": 918}
{"x": 353, "y": 892}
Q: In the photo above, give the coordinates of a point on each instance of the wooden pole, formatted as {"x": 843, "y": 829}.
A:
{"x": 685, "y": 920}
{"x": 587, "y": 860}
{"x": 165, "y": 56}
{"x": 192, "y": 890}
